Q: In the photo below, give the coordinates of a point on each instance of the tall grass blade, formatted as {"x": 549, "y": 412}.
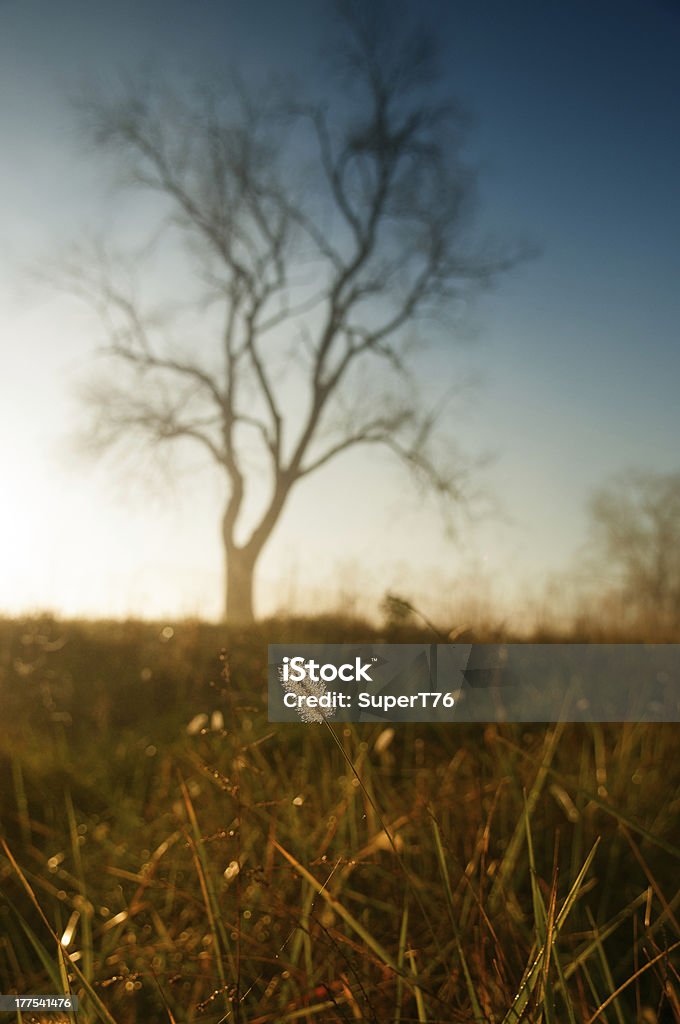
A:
{"x": 444, "y": 871}
{"x": 420, "y": 1003}
{"x": 63, "y": 974}
{"x": 629, "y": 981}
{"x": 86, "y": 915}
{"x": 604, "y": 963}
{"x": 514, "y": 848}
{"x": 347, "y": 917}
{"x": 533, "y": 973}
{"x": 98, "y": 1005}
{"x": 21, "y": 802}
{"x": 403, "y": 932}
{"x": 219, "y": 937}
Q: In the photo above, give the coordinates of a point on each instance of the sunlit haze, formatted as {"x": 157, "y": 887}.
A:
{"x": 568, "y": 371}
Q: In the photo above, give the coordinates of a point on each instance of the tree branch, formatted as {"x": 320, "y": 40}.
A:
{"x": 377, "y": 431}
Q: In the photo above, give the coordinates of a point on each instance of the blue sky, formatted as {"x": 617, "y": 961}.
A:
{"x": 574, "y": 124}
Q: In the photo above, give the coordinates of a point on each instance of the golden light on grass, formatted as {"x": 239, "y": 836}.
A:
{"x": 69, "y": 931}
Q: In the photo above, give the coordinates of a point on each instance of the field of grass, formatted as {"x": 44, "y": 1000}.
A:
{"x": 170, "y": 867}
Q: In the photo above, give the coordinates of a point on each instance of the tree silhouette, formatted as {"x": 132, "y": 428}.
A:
{"x": 309, "y": 240}
{"x": 636, "y": 536}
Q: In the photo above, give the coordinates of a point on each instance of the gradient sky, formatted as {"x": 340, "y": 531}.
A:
{"x": 575, "y": 110}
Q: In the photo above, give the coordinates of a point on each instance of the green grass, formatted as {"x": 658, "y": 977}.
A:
{"x": 265, "y": 872}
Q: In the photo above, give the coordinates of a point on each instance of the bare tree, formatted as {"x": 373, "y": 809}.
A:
{"x": 305, "y": 244}
{"x": 636, "y": 538}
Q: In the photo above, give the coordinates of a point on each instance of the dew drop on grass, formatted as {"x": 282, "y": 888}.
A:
{"x": 383, "y": 741}
{"x": 232, "y": 870}
{"x": 196, "y": 724}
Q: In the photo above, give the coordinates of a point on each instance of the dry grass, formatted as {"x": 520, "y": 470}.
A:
{"x": 257, "y": 873}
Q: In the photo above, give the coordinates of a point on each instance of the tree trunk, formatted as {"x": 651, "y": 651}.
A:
{"x": 240, "y": 562}
{"x": 240, "y": 576}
